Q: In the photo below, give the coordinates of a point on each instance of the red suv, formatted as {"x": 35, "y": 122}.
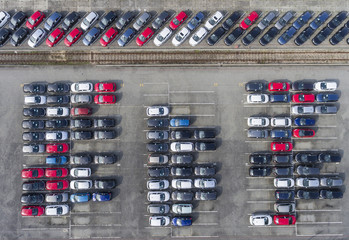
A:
{"x": 35, "y": 19}
{"x": 178, "y": 20}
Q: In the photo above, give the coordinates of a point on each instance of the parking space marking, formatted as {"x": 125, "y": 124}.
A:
{"x": 156, "y": 227}
{"x": 204, "y": 224}
{"x": 105, "y": 237}
{"x": 316, "y": 138}
{"x": 260, "y": 189}
{"x": 44, "y": 229}
{"x": 267, "y": 201}
{"x": 186, "y": 236}
{"x": 320, "y": 235}
{"x": 156, "y": 95}
{"x": 205, "y": 211}
{"x": 248, "y": 177}
{"x": 255, "y": 141}
{"x": 272, "y": 226}
{"x": 319, "y": 210}
{"x": 266, "y": 106}
{"x": 101, "y": 225}
{"x": 155, "y": 83}
{"x": 77, "y": 213}
{"x": 320, "y": 126}
{"x": 191, "y": 91}
{"x": 193, "y": 115}
{"x": 192, "y": 103}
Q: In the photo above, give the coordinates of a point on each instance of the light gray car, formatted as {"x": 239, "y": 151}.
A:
{"x": 302, "y": 109}
{"x": 326, "y": 109}
{"x": 56, "y": 197}
{"x": 307, "y": 182}
{"x": 157, "y": 135}
{"x": 267, "y": 20}
{"x": 286, "y": 18}
{"x": 37, "y": 37}
{"x": 284, "y": 207}
{"x": 81, "y": 98}
{"x": 141, "y": 21}
{"x": 158, "y": 208}
{"x": 331, "y": 182}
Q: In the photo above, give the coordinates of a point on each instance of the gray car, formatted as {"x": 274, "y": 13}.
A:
{"x": 182, "y": 196}
{"x": 283, "y": 171}
{"x": 52, "y": 21}
{"x": 126, "y": 37}
{"x": 182, "y": 159}
{"x": 56, "y": 197}
{"x": 141, "y": 21}
{"x": 284, "y": 207}
{"x": 267, "y": 20}
{"x": 326, "y": 109}
{"x": 81, "y": 98}
{"x": 81, "y": 159}
{"x": 286, "y": 18}
{"x": 124, "y": 20}
{"x": 160, "y": 20}
{"x": 331, "y": 182}
{"x": 306, "y": 170}
{"x": 157, "y": 135}
{"x": 158, "y": 208}
{"x": 91, "y": 36}
{"x": 257, "y": 133}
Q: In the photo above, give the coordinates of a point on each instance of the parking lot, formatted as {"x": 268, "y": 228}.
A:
{"x": 211, "y": 96}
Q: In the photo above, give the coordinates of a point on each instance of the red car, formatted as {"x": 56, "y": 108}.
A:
{"x": 105, "y": 99}
{"x": 73, "y": 36}
{"x": 57, "y": 185}
{"x": 81, "y": 111}
{"x": 281, "y": 146}
{"x": 284, "y": 219}
{"x": 33, "y": 211}
{"x": 57, "y": 148}
{"x": 178, "y": 20}
{"x": 279, "y": 86}
{"x": 249, "y": 20}
{"x": 303, "y": 133}
{"x": 54, "y": 37}
{"x": 301, "y": 97}
{"x": 35, "y": 19}
{"x": 144, "y": 36}
{"x": 108, "y": 36}
{"x": 56, "y": 172}
{"x": 32, "y": 173}
{"x": 105, "y": 87}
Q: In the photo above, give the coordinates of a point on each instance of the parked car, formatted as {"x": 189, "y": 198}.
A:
{"x": 260, "y": 219}
{"x": 4, "y": 17}
{"x": 81, "y": 123}
{"x": 303, "y": 86}
{"x": 82, "y": 87}
{"x": 328, "y": 157}
{"x": 340, "y": 35}
{"x": 57, "y": 185}
{"x": 91, "y": 36}
{"x": 283, "y": 171}
{"x": 56, "y": 172}
{"x": 280, "y": 122}
{"x": 182, "y": 196}
{"x": 81, "y": 159}
{"x": 81, "y": 98}
{"x": 216, "y": 36}
{"x": 326, "y": 109}
{"x": 89, "y": 20}
{"x": 19, "y": 36}
{"x": 287, "y": 35}
{"x": 283, "y": 182}
{"x": 181, "y": 171}
{"x": 279, "y": 86}
{"x": 234, "y": 36}
{"x": 33, "y": 136}
{"x": 158, "y": 184}
{"x": 182, "y": 208}
{"x": 57, "y": 136}
{"x": 17, "y": 19}
{"x": 281, "y": 146}
{"x": 58, "y": 100}
{"x": 32, "y": 172}
{"x": 159, "y": 221}
{"x": 157, "y": 147}
{"x": 325, "y": 86}
{"x": 33, "y": 148}
{"x": 337, "y": 20}
{"x": 5, "y": 35}
{"x": 180, "y": 37}
{"x": 303, "y": 133}
{"x": 258, "y": 122}
{"x": 322, "y": 35}
{"x": 303, "y": 19}
{"x": 80, "y": 197}
{"x": 141, "y": 21}
{"x": 57, "y": 123}
{"x": 52, "y": 21}
{"x": 257, "y": 133}
{"x": 282, "y": 158}
{"x": 205, "y": 183}
{"x": 80, "y": 184}
{"x": 280, "y": 133}
{"x": 308, "y": 170}
{"x": 251, "y": 36}
{"x": 56, "y": 210}
{"x": 307, "y": 182}
{"x": 320, "y": 19}
{"x": 80, "y": 172}
{"x": 158, "y": 172}
{"x": 34, "y": 20}
{"x": 160, "y": 20}
{"x": 158, "y": 196}
{"x": 157, "y": 135}
{"x": 284, "y": 207}
{"x": 179, "y": 122}
{"x": 267, "y": 20}
{"x": 124, "y": 20}
{"x": 158, "y": 122}
{"x": 331, "y": 194}
{"x": 180, "y": 134}
{"x": 57, "y": 148}
{"x": 205, "y": 146}
{"x": 104, "y": 159}
{"x": 287, "y": 195}
{"x": 181, "y": 221}
{"x": 196, "y": 21}
{"x": 57, "y": 111}
{"x": 279, "y": 98}
{"x": 304, "y": 36}
{"x": 257, "y": 98}
{"x": 259, "y": 171}
{"x": 98, "y": 135}
{"x": 104, "y": 183}
{"x": 249, "y": 20}
{"x": 331, "y": 182}
{"x": 73, "y": 37}
{"x": 33, "y": 186}
{"x": 257, "y": 158}
{"x": 181, "y": 159}
{"x": 70, "y": 20}
{"x": 181, "y": 183}
{"x": 301, "y": 121}
{"x": 327, "y": 97}
{"x": 308, "y": 194}
{"x": 178, "y": 20}
{"x": 105, "y": 87}
{"x": 163, "y": 36}
{"x": 285, "y": 19}
{"x": 306, "y": 158}
{"x": 105, "y": 99}
{"x": 101, "y": 196}
{"x": 206, "y": 195}
{"x": 302, "y": 109}
{"x": 214, "y": 20}
{"x": 36, "y": 38}
{"x": 107, "y": 20}
{"x": 158, "y": 208}
{"x": 56, "y": 160}
{"x": 145, "y": 36}
{"x": 204, "y": 171}
{"x": 303, "y": 97}
{"x": 284, "y": 219}
{"x": 104, "y": 123}
{"x": 255, "y": 86}
{"x": 56, "y": 197}
{"x": 157, "y": 111}
{"x": 202, "y": 134}
{"x": 82, "y": 111}
{"x": 269, "y": 36}
{"x": 32, "y": 211}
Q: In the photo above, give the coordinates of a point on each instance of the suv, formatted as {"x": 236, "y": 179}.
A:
{"x": 182, "y": 146}
{"x": 205, "y": 183}
{"x": 258, "y": 122}
{"x": 182, "y": 183}
{"x": 283, "y": 182}
{"x": 281, "y": 122}
{"x": 158, "y": 208}
{"x": 260, "y": 219}
{"x": 157, "y": 159}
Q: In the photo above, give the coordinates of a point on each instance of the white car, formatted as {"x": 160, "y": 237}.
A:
{"x": 283, "y": 182}
{"x": 182, "y": 146}
{"x": 159, "y": 221}
{"x": 258, "y": 122}
{"x": 56, "y": 197}
{"x": 205, "y": 183}
{"x": 80, "y": 172}
{"x": 280, "y": 122}
{"x": 163, "y": 36}
{"x": 157, "y": 111}
{"x": 307, "y": 182}
{"x": 4, "y": 17}
{"x": 182, "y": 208}
{"x": 36, "y": 38}
{"x": 57, "y": 111}
{"x": 57, "y": 136}
{"x": 157, "y": 159}
{"x": 325, "y": 86}
{"x": 161, "y": 196}
{"x": 82, "y": 87}
{"x": 35, "y": 100}
{"x": 284, "y": 207}
{"x": 257, "y": 98}
{"x": 180, "y": 37}
{"x": 260, "y": 219}
{"x": 158, "y": 184}
{"x": 198, "y": 36}
{"x": 182, "y": 183}
{"x": 81, "y": 184}
{"x": 89, "y": 20}
{"x": 213, "y": 20}
{"x": 56, "y": 210}
{"x": 302, "y": 109}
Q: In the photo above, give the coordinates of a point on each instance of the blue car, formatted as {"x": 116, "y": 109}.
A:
{"x": 80, "y": 197}
{"x": 195, "y": 21}
{"x": 58, "y": 160}
{"x": 126, "y": 37}
{"x": 287, "y": 35}
{"x": 327, "y": 97}
{"x": 181, "y": 221}
{"x": 321, "y": 18}
{"x": 286, "y": 98}
{"x": 303, "y": 19}
{"x": 101, "y": 196}
{"x": 179, "y": 122}
{"x": 91, "y": 36}
{"x": 304, "y": 121}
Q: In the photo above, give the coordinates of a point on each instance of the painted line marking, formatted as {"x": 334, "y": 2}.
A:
{"x": 87, "y": 225}
{"x": 191, "y": 91}
{"x": 77, "y": 213}
{"x": 279, "y": 226}
{"x": 43, "y": 229}
{"x": 156, "y": 83}
{"x": 186, "y": 236}
{"x": 156, "y": 95}
{"x": 192, "y": 103}
{"x": 320, "y": 235}
{"x": 318, "y": 210}
{"x": 205, "y": 211}
{"x": 193, "y": 115}
{"x": 260, "y": 189}
{"x": 309, "y": 223}
{"x": 204, "y": 224}
{"x": 261, "y": 201}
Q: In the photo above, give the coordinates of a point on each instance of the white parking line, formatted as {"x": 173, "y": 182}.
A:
{"x": 205, "y": 211}
{"x": 204, "y": 224}
{"x": 100, "y": 225}
{"x": 194, "y": 115}
{"x": 325, "y": 126}
{"x": 43, "y": 229}
{"x": 156, "y": 83}
{"x": 156, "y": 95}
{"x": 273, "y": 226}
{"x": 187, "y": 103}
{"x": 194, "y": 236}
{"x": 254, "y": 202}
{"x": 156, "y": 227}
{"x": 318, "y": 210}
{"x": 191, "y": 91}
{"x": 320, "y": 235}
{"x": 77, "y": 213}
{"x": 259, "y": 177}
{"x": 105, "y": 237}
{"x": 260, "y": 189}
{"x": 257, "y": 141}
{"x": 316, "y": 138}
{"x": 309, "y": 223}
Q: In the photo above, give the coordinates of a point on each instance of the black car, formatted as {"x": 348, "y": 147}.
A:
{"x": 107, "y": 20}
{"x": 81, "y": 135}
{"x": 328, "y": 157}
{"x": 283, "y": 171}
{"x": 181, "y": 134}
{"x": 105, "y": 184}
{"x": 308, "y": 194}
{"x": 181, "y": 171}
{"x": 259, "y": 171}
{"x": 160, "y": 20}
{"x": 81, "y": 159}
{"x": 104, "y": 123}
{"x": 257, "y": 133}
{"x": 36, "y": 88}
{"x": 158, "y": 122}
{"x": 91, "y": 36}
{"x": 17, "y": 20}
{"x": 70, "y": 21}
{"x": 205, "y": 195}
{"x": 33, "y": 136}
{"x": 282, "y": 159}
{"x": 19, "y": 36}
{"x": 280, "y": 133}
{"x": 105, "y": 159}
{"x": 204, "y": 171}
{"x": 182, "y": 196}
{"x": 337, "y": 20}
{"x": 322, "y": 35}
{"x": 182, "y": 159}
{"x": 57, "y": 123}
{"x": 255, "y": 86}
{"x": 232, "y": 20}
{"x": 157, "y": 147}
{"x": 320, "y": 19}
{"x": 331, "y": 194}
{"x": 202, "y": 134}
{"x": 303, "y": 86}
{"x": 124, "y": 20}
{"x": 304, "y": 36}
{"x": 233, "y": 36}
{"x": 279, "y": 98}
{"x": 340, "y": 35}
{"x": 4, "y": 36}
{"x": 308, "y": 170}
{"x": 269, "y": 36}
{"x": 216, "y": 36}
{"x": 260, "y": 158}
{"x": 81, "y": 123}
{"x": 158, "y": 172}
{"x": 105, "y": 134}
{"x": 327, "y": 97}
{"x": 284, "y": 195}
{"x": 32, "y": 198}
{"x": 58, "y": 100}
{"x": 251, "y": 36}
{"x": 52, "y": 21}
{"x": 205, "y": 146}
{"x": 33, "y": 124}
{"x": 58, "y": 87}
{"x": 306, "y": 158}
{"x": 34, "y": 112}
{"x": 33, "y": 186}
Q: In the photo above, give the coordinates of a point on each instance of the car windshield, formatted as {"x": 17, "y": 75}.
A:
{"x": 323, "y": 85}
{"x": 69, "y": 38}
{"x": 212, "y": 21}
{"x": 301, "y": 97}
{"x": 158, "y": 21}
{"x": 59, "y": 148}
{"x": 51, "y": 39}
{"x": 338, "y": 37}
{"x": 321, "y": 37}
{"x": 123, "y": 38}
{"x": 267, "y": 37}
{"x": 229, "y": 22}
{"x": 306, "y": 182}
{"x": 214, "y": 38}
{"x": 194, "y": 21}
{"x": 31, "y": 21}
{"x": 139, "y": 22}
{"x": 142, "y": 38}
{"x": 302, "y": 37}
{"x": 58, "y": 172}
{"x": 34, "y": 211}
{"x": 59, "y": 111}
{"x": 59, "y": 210}
{"x": 179, "y": 37}
{"x": 122, "y": 21}
{"x": 59, "y": 185}
{"x": 86, "y": 22}
{"x": 249, "y": 37}
{"x": 35, "y": 148}
{"x": 32, "y": 39}
{"x": 196, "y": 38}
{"x": 162, "y": 197}
{"x": 104, "y": 21}
{"x": 160, "y": 38}
{"x": 282, "y": 22}
{"x": 231, "y": 37}
{"x": 176, "y": 22}
{"x": 105, "y": 38}
{"x": 89, "y": 37}
{"x": 247, "y": 21}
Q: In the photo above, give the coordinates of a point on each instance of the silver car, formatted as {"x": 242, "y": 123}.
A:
{"x": 307, "y": 182}
{"x": 157, "y": 135}
{"x": 163, "y": 36}
{"x": 89, "y": 20}
{"x": 36, "y": 38}
{"x": 326, "y": 109}
{"x": 35, "y": 100}
{"x": 302, "y": 109}
{"x": 141, "y": 21}
{"x": 81, "y": 98}
{"x": 57, "y": 136}
{"x": 267, "y": 20}
{"x": 285, "y": 19}
{"x": 158, "y": 208}
{"x": 56, "y": 197}
{"x": 331, "y": 182}
{"x": 284, "y": 207}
